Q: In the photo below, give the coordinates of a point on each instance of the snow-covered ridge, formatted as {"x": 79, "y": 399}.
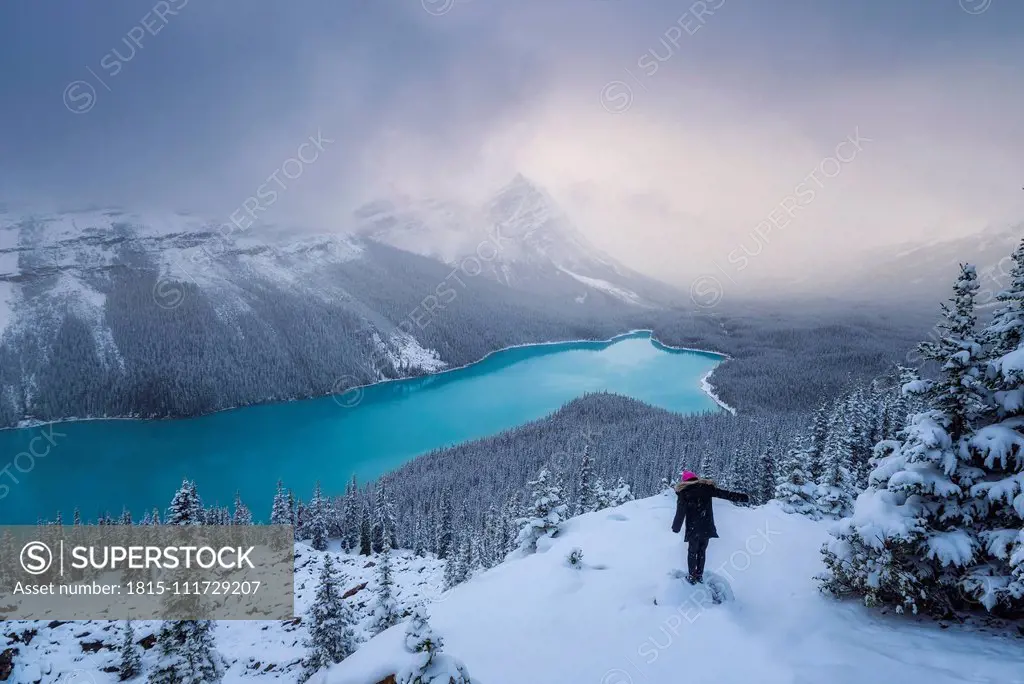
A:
{"x": 623, "y": 619}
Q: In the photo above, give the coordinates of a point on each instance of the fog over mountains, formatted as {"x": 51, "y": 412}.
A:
{"x": 114, "y": 313}
{"x": 111, "y": 313}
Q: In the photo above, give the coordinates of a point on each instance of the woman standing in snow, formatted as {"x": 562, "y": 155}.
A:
{"x": 693, "y": 504}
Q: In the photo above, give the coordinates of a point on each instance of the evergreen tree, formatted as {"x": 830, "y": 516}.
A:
{"x": 385, "y": 611}
{"x": 186, "y": 507}
{"x": 432, "y": 665}
{"x": 315, "y": 527}
{"x": 186, "y": 654}
{"x": 418, "y": 547}
{"x": 765, "y": 490}
{"x": 602, "y": 496}
{"x": 815, "y": 445}
{"x": 793, "y": 487}
{"x": 350, "y": 510}
{"x": 301, "y": 520}
{"x": 445, "y": 526}
{"x": 836, "y": 489}
{"x": 451, "y": 570}
{"x": 365, "y": 531}
{"x": 331, "y": 637}
{"x": 463, "y": 561}
{"x": 619, "y": 494}
{"x": 957, "y": 352}
{"x": 130, "y": 658}
{"x": 242, "y": 515}
{"x": 912, "y": 541}
{"x": 1005, "y": 331}
{"x": 996, "y": 457}
{"x": 585, "y": 494}
{"x": 546, "y": 513}
{"x": 281, "y": 511}
{"x": 384, "y": 527}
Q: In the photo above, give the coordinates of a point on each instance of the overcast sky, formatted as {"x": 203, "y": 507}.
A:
{"x": 670, "y": 130}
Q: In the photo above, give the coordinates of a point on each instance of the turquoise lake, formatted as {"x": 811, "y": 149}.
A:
{"x": 104, "y": 465}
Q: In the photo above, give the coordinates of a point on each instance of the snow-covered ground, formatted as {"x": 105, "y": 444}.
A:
{"x": 620, "y": 619}
{"x": 623, "y": 620}
{"x": 270, "y": 651}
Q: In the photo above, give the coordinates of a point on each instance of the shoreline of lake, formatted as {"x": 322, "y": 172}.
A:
{"x": 706, "y": 385}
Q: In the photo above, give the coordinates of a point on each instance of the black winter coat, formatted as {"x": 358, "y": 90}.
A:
{"x": 693, "y": 504}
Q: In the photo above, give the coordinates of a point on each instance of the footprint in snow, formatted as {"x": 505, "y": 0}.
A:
{"x": 617, "y": 516}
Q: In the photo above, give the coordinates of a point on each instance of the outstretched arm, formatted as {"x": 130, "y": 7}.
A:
{"x": 677, "y": 523}
{"x": 738, "y": 497}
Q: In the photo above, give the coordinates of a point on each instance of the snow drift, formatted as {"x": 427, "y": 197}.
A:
{"x": 621, "y": 618}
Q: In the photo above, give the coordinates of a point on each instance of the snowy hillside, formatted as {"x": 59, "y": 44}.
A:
{"x": 519, "y": 237}
{"x": 622, "y": 619}
{"x": 82, "y": 652}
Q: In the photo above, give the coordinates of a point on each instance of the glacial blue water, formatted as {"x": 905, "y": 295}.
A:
{"x": 104, "y": 465}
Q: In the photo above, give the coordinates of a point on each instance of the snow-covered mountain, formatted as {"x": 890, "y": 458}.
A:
{"x": 623, "y": 618}
{"x": 112, "y": 313}
{"x": 519, "y": 237}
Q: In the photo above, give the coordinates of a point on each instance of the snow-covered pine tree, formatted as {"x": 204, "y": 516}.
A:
{"x": 445, "y": 531}
{"x": 815, "y": 444}
{"x": 125, "y": 519}
{"x": 316, "y": 527}
{"x": 186, "y": 507}
{"x": 301, "y": 519}
{"x": 508, "y": 527}
{"x": 464, "y": 561}
{"x": 451, "y": 569}
{"x": 432, "y": 666}
{"x": 585, "y": 494}
{"x": 602, "y": 496}
{"x": 545, "y": 514}
{"x": 793, "y": 487}
{"x": 861, "y": 421}
{"x": 331, "y": 637}
{"x": 836, "y": 488}
{"x": 242, "y": 515}
{"x": 385, "y": 609}
{"x": 911, "y": 541}
{"x": 384, "y": 527}
{"x": 620, "y": 493}
{"x": 1005, "y": 331}
{"x": 186, "y": 654}
{"x": 280, "y": 511}
{"x": 997, "y": 450}
{"x": 76, "y": 518}
{"x": 417, "y": 546}
{"x": 129, "y": 656}
{"x": 365, "y": 530}
{"x": 765, "y": 489}
{"x": 350, "y": 516}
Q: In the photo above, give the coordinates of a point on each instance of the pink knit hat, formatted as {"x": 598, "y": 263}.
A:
{"x": 688, "y": 475}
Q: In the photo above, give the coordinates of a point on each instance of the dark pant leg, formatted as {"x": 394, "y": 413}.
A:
{"x": 696, "y": 554}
